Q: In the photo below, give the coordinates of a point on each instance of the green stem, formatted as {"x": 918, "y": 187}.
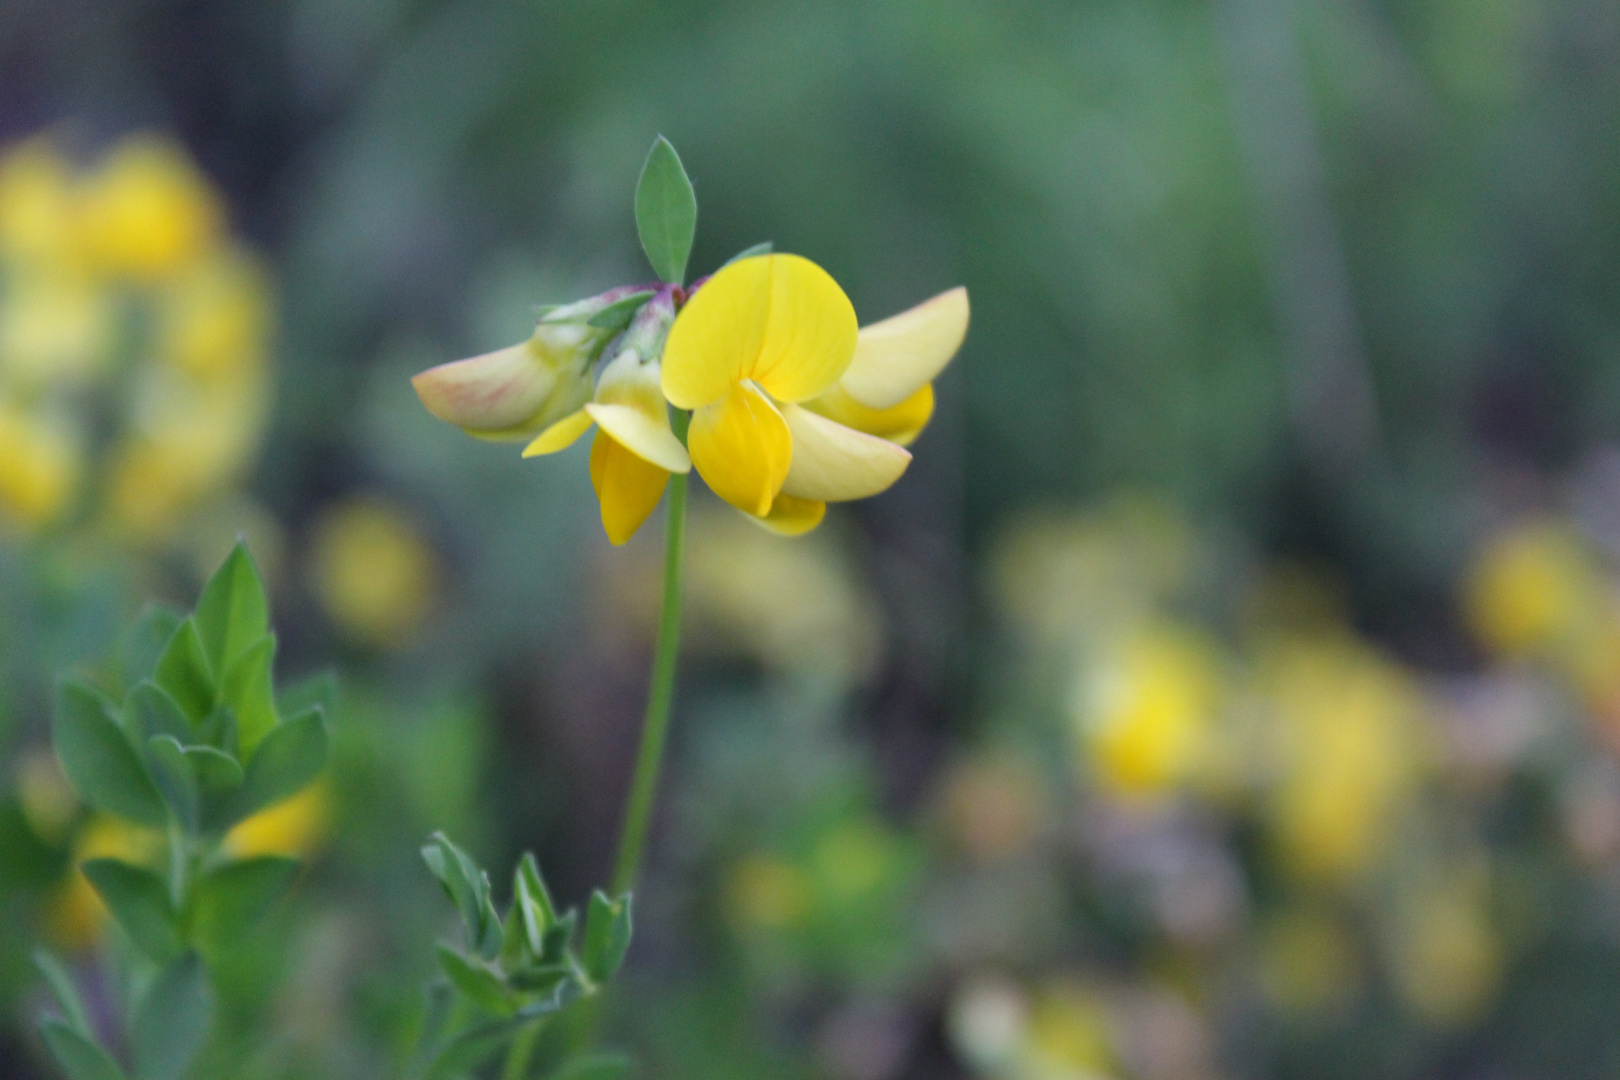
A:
{"x": 655, "y": 728}
{"x": 520, "y": 1052}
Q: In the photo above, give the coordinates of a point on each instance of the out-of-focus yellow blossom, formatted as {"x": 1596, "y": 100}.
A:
{"x": 147, "y": 211}
{"x": 764, "y": 892}
{"x": 75, "y": 915}
{"x": 1532, "y": 589}
{"x": 1145, "y": 709}
{"x": 41, "y": 468}
{"x": 1445, "y": 955}
{"x": 761, "y": 338}
{"x": 294, "y": 827}
{"x": 1308, "y": 963}
{"x": 48, "y": 802}
{"x": 176, "y": 396}
{"x": 1348, "y": 749}
{"x": 1069, "y": 1035}
{"x": 372, "y": 572}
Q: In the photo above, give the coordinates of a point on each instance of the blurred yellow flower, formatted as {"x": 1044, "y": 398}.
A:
{"x": 1069, "y": 1037}
{"x": 1145, "y": 709}
{"x": 147, "y": 211}
{"x": 41, "y": 468}
{"x": 1531, "y": 589}
{"x": 38, "y": 205}
{"x": 294, "y": 827}
{"x": 1445, "y": 955}
{"x": 372, "y": 572}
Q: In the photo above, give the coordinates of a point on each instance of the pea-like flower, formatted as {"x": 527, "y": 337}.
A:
{"x": 760, "y": 354}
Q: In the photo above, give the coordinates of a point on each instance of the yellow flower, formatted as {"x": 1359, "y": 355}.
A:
{"x": 147, "y": 211}
{"x": 372, "y": 572}
{"x": 635, "y": 450}
{"x": 762, "y": 337}
{"x": 75, "y": 915}
{"x": 888, "y": 389}
{"x": 38, "y": 206}
{"x": 1533, "y": 588}
{"x": 56, "y": 327}
{"x": 215, "y": 319}
{"x": 41, "y": 463}
{"x": 293, "y": 827}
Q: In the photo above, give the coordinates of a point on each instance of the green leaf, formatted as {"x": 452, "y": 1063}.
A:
{"x": 229, "y": 902}
{"x": 175, "y": 779}
{"x": 139, "y": 900}
{"x": 140, "y": 646}
{"x": 199, "y": 781}
{"x": 555, "y": 947}
{"x": 247, "y": 688}
{"x": 477, "y": 982}
{"x": 666, "y": 212}
{"x": 150, "y": 711}
{"x": 285, "y": 762}
{"x": 749, "y": 252}
{"x": 184, "y": 674}
{"x": 79, "y": 1057}
{"x": 468, "y": 886}
{"x": 64, "y": 990}
{"x": 218, "y": 729}
{"x": 171, "y": 1024}
{"x": 532, "y": 901}
{"x": 316, "y": 691}
{"x": 617, "y": 315}
{"x": 607, "y": 935}
{"x": 467, "y": 1051}
{"x": 98, "y": 759}
{"x": 598, "y": 1066}
{"x": 232, "y": 614}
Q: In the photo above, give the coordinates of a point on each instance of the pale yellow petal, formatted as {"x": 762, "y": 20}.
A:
{"x": 561, "y": 435}
{"x": 791, "y": 516}
{"x": 897, "y": 357}
{"x": 742, "y": 448}
{"x": 630, "y": 407}
{"x": 901, "y": 424}
{"x": 833, "y": 463}
{"x": 627, "y": 487}
{"x": 498, "y": 391}
{"x": 779, "y": 320}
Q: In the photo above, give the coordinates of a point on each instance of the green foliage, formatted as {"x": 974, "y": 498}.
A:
{"x": 97, "y": 757}
{"x": 139, "y": 900}
{"x": 80, "y": 1056}
{"x": 666, "y": 212}
{"x": 617, "y": 315}
{"x": 232, "y": 899}
{"x": 171, "y": 1021}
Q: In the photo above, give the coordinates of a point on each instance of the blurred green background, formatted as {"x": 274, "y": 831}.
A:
{"x": 1231, "y": 687}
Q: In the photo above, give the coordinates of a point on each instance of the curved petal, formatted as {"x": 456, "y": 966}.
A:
{"x": 898, "y": 356}
{"x": 901, "y": 424}
{"x": 498, "y": 392}
{"x": 779, "y": 320}
{"x": 627, "y": 487}
{"x": 630, "y": 407}
{"x": 742, "y": 448}
{"x": 561, "y": 435}
{"x": 791, "y": 516}
{"x": 833, "y": 463}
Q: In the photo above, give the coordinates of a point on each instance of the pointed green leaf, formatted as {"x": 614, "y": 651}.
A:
{"x": 558, "y": 939}
{"x": 617, "y": 315}
{"x": 666, "y": 212}
{"x": 232, "y": 614}
{"x": 175, "y": 779}
{"x": 139, "y": 900}
{"x": 218, "y": 729}
{"x": 532, "y": 900}
{"x": 171, "y": 1024}
{"x": 468, "y": 887}
{"x": 315, "y": 691}
{"x": 150, "y": 711}
{"x": 228, "y": 903}
{"x": 749, "y": 252}
{"x": 607, "y": 935}
{"x": 471, "y": 1049}
{"x": 98, "y": 759}
{"x": 141, "y": 645}
{"x": 184, "y": 674}
{"x": 480, "y": 985}
{"x": 80, "y": 1058}
{"x": 285, "y": 762}
{"x": 248, "y": 690}
{"x": 64, "y": 990}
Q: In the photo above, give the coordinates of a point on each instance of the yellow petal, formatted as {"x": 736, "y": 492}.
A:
{"x": 901, "y": 424}
{"x": 900, "y": 355}
{"x": 779, "y": 320}
{"x": 833, "y": 463}
{"x": 628, "y": 487}
{"x": 741, "y": 447}
{"x": 561, "y": 435}
{"x": 791, "y": 516}
{"x": 630, "y": 407}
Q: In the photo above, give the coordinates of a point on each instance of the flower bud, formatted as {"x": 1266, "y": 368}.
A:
{"x": 513, "y": 393}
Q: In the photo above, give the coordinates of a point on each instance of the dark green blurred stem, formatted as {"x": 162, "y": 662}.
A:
{"x": 178, "y": 858}
{"x": 521, "y": 1051}
{"x": 655, "y": 728}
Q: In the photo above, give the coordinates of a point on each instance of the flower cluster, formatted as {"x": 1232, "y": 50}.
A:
{"x": 133, "y": 341}
{"x": 789, "y": 404}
